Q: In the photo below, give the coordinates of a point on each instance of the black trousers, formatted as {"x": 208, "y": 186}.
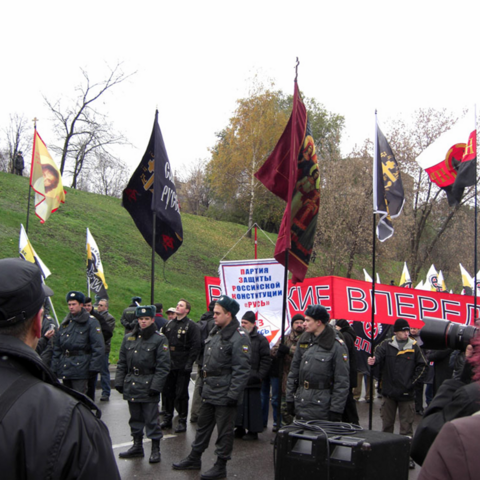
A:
{"x": 224, "y": 418}
{"x": 176, "y": 393}
{"x": 144, "y": 415}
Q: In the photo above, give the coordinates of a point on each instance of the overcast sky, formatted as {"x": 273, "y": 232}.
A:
{"x": 194, "y": 60}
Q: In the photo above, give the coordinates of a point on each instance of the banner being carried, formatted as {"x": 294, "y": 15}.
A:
{"x": 256, "y": 285}
{"x": 95, "y": 275}
{"x": 352, "y": 300}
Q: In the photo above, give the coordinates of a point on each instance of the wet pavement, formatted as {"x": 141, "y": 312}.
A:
{"x": 252, "y": 459}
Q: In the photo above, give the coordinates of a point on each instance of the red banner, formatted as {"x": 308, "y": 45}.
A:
{"x": 352, "y": 300}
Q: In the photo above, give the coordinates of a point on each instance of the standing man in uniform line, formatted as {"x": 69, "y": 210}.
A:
{"x": 318, "y": 382}
{"x": 402, "y": 365}
{"x": 183, "y": 337}
{"x": 142, "y": 369}
{"x": 79, "y": 347}
{"x": 226, "y": 369}
{"x": 46, "y": 429}
{"x": 128, "y": 318}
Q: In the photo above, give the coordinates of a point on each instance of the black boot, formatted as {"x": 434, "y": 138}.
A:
{"x": 217, "y": 472}
{"x": 136, "y": 450}
{"x": 155, "y": 455}
{"x": 182, "y": 416}
{"x": 181, "y": 426}
{"x": 192, "y": 462}
{"x": 168, "y": 417}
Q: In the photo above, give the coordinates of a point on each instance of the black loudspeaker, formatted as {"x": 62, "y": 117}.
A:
{"x": 366, "y": 455}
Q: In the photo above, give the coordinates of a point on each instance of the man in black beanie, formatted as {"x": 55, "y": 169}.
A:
{"x": 402, "y": 365}
{"x": 286, "y": 351}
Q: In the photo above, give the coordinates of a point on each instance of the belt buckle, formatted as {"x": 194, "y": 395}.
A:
{"x": 136, "y": 371}
{"x": 67, "y": 353}
{"x": 306, "y": 385}
{"x": 204, "y": 374}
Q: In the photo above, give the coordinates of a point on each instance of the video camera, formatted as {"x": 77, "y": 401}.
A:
{"x": 440, "y": 334}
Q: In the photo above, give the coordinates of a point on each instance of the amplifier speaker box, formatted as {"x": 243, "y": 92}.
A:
{"x": 365, "y": 455}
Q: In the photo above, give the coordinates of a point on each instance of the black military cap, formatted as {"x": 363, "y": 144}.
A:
{"x": 317, "y": 312}
{"x": 78, "y": 296}
{"x": 22, "y": 291}
{"x": 229, "y": 304}
{"x": 145, "y": 311}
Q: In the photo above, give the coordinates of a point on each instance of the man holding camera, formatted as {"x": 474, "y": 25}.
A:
{"x": 402, "y": 365}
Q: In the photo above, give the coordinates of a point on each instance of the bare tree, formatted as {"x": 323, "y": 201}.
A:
{"x": 18, "y": 139}
{"x": 195, "y": 190}
{"x": 82, "y": 129}
{"x": 107, "y": 176}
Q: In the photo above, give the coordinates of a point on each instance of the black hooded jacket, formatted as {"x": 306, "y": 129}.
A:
{"x": 47, "y": 432}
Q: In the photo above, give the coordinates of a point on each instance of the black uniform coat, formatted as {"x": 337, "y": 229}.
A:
{"x": 226, "y": 364}
{"x": 50, "y": 431}
{"x": 79, "y": 347}
{"x": 143, "y": 365}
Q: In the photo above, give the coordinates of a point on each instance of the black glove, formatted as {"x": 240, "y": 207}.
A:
{"x": 334, "y": 416}
{"x": 231, "y": 402}
{"x": 119, "y": 388}
{"x": 283, "y": 349}
{"x": 187, "y": 371}
{"x": 290, "y": 408}
{"x": 93, "y": 374}
{"x": 254, "y": 379}
{"x": 153, "y": 393}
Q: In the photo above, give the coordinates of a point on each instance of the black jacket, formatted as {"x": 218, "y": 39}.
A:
{"x": 349, "y": 337}
{"x": 79, "y": 348}
{"x": 400, "y": 370}
{"x": 50, "y": 432}
{"x": 143, "y": 365}
{"x": 184, "y": 340}
{"x": 226, "y": 364}
{"x": 260, "y": 359}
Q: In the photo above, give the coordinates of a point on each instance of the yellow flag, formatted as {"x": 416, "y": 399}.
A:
{"x": 46, "y": 181}
{"x": 28, "y": 253}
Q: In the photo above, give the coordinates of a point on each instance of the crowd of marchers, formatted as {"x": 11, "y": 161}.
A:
{"x": 309, "y": 374}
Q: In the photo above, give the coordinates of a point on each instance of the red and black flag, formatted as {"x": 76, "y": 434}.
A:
{"x": 291, "y": 172}
{"x": 152, "y": 189}
{"x": 451, "y": 163}
{"x": 388, "y": 195}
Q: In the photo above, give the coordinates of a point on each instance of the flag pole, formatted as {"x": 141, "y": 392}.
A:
{"x": 31, "y": 170}
{"x": 152, "y": 294}
{"x": 475, "y": 316}
{"x": 372, "y": 323}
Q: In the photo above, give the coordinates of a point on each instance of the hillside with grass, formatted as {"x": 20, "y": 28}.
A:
{"x": 126, "y": 257}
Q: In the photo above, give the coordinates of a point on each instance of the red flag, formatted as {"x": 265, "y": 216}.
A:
{"x": 291, "y": 172}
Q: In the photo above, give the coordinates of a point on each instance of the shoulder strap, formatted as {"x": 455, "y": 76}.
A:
{"x": 18, "y": 388}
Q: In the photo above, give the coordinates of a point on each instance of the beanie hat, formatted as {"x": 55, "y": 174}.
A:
{"x": 296, "y": 317}
{"x": 400, "y": 325}
{"x": 318, "y": 312}
{"x": 249, "y": 316}
{"x": 342, "y": 323}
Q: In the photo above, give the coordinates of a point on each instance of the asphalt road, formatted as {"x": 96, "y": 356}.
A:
{"x": 250, "y": 459}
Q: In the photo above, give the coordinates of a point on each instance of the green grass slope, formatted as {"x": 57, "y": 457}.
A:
{"x": 126, "y": 257}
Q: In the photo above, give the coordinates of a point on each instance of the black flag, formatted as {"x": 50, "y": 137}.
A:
{"x": 388, "y": 196}
{"x": 152, "y": 189}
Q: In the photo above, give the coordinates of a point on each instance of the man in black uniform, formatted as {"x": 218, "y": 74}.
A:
{"x": 46, "y": 429}
{"x": 141, "y": 373}
{"x": 226, "y": 369}
{"x": 184, "y": 339}
{"x": 128, "y": 318}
